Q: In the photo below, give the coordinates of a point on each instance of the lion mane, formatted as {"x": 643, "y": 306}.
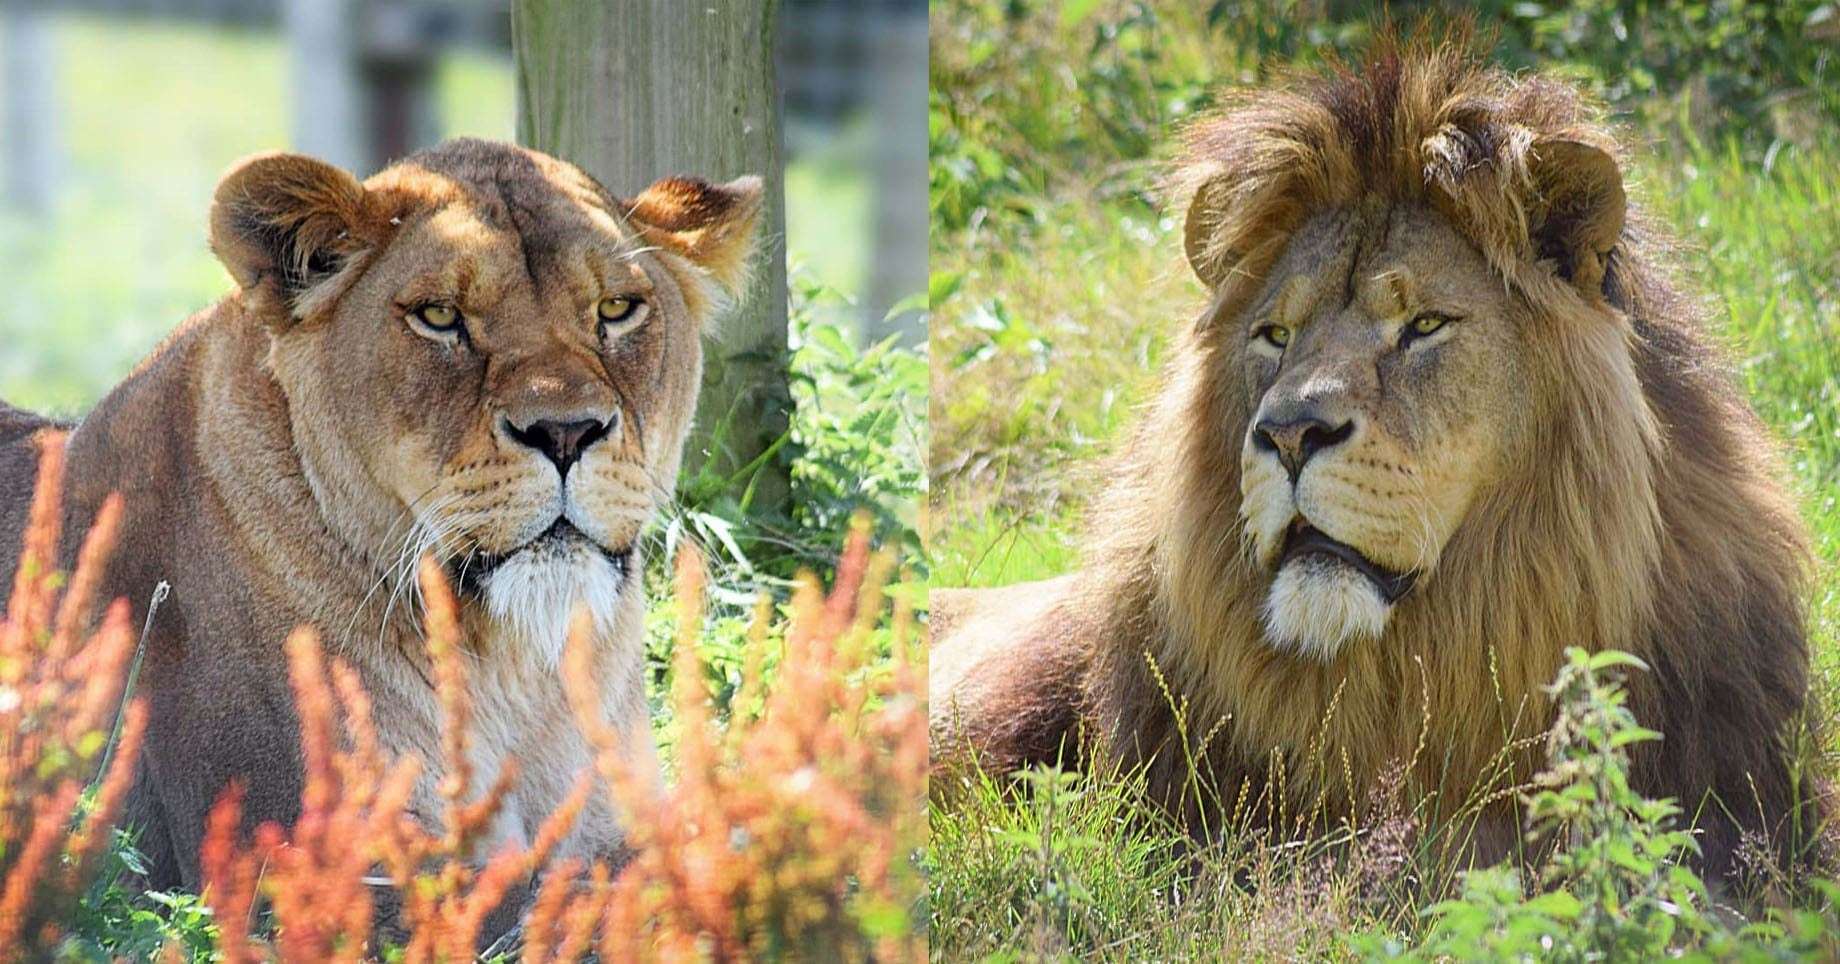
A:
{"x": 1649, "y": 518}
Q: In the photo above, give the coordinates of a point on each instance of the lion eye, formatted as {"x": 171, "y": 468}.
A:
{"x": 619, "y": 315}
{"x": 1426, "y": 324}
{"x": 616, "y": 309}
{"x": 1275, "y": 335}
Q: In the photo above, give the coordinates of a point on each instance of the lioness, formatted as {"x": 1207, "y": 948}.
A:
{"x": 1443, "y": 415}
{"x": 479, "y": 354}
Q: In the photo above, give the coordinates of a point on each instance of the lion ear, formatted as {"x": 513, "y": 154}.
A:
{"x": 711, "y": 225}
{"x": 1201, "y": 232}
{"x": 1578, "y": 216}
{"x": 284, "y": 223}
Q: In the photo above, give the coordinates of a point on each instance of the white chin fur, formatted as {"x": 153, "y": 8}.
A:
{"x": 1316, "y": 608}
{"x": 533, "y": 595}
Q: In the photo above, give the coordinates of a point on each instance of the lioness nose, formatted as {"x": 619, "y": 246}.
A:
{"x": 1299, "y": 439}
{"x": 562, "y": 441}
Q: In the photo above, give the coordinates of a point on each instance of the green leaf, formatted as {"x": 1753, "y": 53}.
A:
{"x": 1557, "y": 904}
{"x": 1632, "y": 734}
{"x": 941, "y": 285}
{"x": 914, "y": 302}
{"x": 1614, "y": 657}
{"x": 1073, "y": 12}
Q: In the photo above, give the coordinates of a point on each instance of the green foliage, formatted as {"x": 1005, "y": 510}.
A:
{"x": 1613, "y": 886}
{"x": 855, "y": 450}
{"x": 860, "y": 427}
{"x": 117, "y": 921}
{"x": 1753, "y": 70}
{"x": 1057, "y": 864}
{"x": 1032, "y": 97}
{"x": 1620, "y": 857}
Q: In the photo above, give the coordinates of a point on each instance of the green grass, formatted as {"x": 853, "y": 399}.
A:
{"x": 1057, "y": 283}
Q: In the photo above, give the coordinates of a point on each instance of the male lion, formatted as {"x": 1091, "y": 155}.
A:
{"x": 478, "y": 354}
{"x": 1443, "y": 416}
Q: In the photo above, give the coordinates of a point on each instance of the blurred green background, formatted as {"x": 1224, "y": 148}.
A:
{"x": 149, "y": 113}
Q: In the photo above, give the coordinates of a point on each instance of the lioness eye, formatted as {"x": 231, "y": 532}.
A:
{"x": 437, "y": 322}
{"x": 437, "y": 317}
{"x": 616, "y": 309}
{"x": 1276, "y": 335}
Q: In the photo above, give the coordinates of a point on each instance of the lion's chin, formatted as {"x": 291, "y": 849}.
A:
{"x": 534, "y": 592}
{"x": 1317, "y": 606}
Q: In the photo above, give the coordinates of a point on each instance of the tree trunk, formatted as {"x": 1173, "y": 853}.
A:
{"x": 641, "y": 89}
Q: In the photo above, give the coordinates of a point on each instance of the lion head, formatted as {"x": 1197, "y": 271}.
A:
{"x": 1408, "y": 326}
{"x": 1385, "y": 378}
{"x": 486, "y": 357}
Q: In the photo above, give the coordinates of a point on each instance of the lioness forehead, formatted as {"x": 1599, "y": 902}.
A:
{"x": 551, "y": 208}
{"x": 491, "y": 218}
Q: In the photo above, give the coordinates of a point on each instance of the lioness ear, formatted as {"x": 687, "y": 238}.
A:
{"x": 1579, "y": 213}
{"x": 712, "y": 225}
{"x": 282, "y": 223}
{"x": 1201, "y": 231}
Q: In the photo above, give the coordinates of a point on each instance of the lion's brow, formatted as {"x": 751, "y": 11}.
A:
{"x": 1389, "y": 293}
{"x": 1293, "y": 301}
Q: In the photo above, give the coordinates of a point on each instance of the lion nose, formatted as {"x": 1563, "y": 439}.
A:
{"x": 562, "y": 441}
{"x": 1296, "y": 441}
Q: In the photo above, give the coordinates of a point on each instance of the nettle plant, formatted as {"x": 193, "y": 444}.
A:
{"x": 1613, "y": 884}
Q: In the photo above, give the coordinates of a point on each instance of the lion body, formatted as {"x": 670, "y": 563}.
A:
{"x": 1622, "y": 495}
{"x": 273, "y": 452}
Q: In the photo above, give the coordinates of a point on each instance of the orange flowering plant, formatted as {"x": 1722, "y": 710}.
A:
{"x": 60, "y": 693}
{"x": 792, "y": 828}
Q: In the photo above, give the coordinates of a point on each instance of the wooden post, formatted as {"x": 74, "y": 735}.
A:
{"x": 28, "y": 118}
{"x": 641, "y": 89}
{"x": 362, "y": 76}
{"x": 897, "y": 266}
{"x": 323, "y": 81}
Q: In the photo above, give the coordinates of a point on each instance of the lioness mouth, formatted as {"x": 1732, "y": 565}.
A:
{"x": 1304, "y": 539}
{"x": 469, "y": 573}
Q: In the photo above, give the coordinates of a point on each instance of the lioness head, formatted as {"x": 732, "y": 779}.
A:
{"x": 1400, "y": 291}
{"x": 486, "y": 356}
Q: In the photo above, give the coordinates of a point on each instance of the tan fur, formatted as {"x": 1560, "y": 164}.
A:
{"x": 288, "y": 454}
{"x": 1569, "y": 464}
